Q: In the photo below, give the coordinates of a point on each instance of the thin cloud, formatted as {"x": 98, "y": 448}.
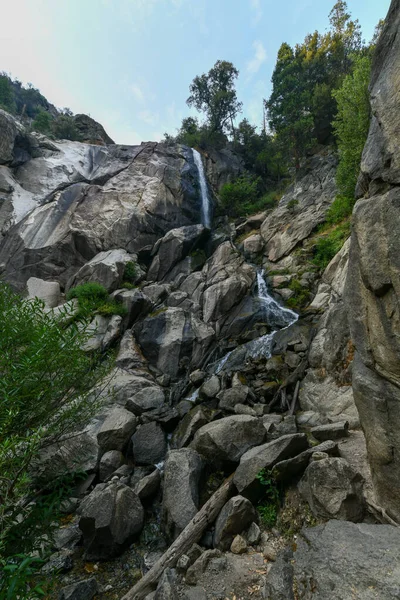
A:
{"x": 137, "y": 92}
{"x": 148, "y": 117}
{"x": 257, "y": 11}
{"x": 260, "y": 56}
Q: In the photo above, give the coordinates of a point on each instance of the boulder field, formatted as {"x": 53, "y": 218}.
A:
{"x": 214, "y": 381}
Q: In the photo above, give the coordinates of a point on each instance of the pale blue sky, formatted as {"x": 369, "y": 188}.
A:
{"x": 129, "y": 63}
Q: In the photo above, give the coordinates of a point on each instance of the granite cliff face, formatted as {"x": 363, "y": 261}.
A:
{"x": 373, "y": 283}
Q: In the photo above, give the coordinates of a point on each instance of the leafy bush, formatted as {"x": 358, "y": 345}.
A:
{"x": 300, "y": 297}
{"x": 235, "y": 196}
{"x": 45, "y": 394}
{"x": 329, "y": 244}
{"x": 43, "y": 122}
{"x": 130, "y": 272}
{"x": 93, "y": 298}
{"x": 340, "y": 209}
{"x": 64, "y": 128}
{"x": 268, "y": 509}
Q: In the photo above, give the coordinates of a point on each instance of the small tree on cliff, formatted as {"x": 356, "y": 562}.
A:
{"x": 214, "y": 94}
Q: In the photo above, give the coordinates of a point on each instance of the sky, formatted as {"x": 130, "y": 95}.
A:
{"x": 129, "y": 63}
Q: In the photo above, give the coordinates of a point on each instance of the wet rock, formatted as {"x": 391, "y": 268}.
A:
{"x": 81, "y": 590}
{"x": 110, "y": 462}
{"x": 117, "y": 429}
{"x": 183, "y": 469}
{"x": 149, "y": 444}
{"x": 265, "y": 457}
{"x": 234, "y": 518}
{"x": 226, "y": 440}
{"x": 333, "y": 489}
{"x": 111, "y": 516}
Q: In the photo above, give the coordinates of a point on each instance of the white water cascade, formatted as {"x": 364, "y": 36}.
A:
{"x": 205, "y": 200}
{"x": 277, "y": 316}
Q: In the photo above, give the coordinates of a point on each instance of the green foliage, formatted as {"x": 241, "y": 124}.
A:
{"x": 64, "y": 128}
{"x": 292, "y": 203}
{"x": 6, "y": 94}
{"x": 351, "y": 124}
{"x": 43, "y": 122}
{"x": 268, "y": 509}
{"x": 130, "y": 272}
{"x": 93, "y": 298}
{"x": 214, "y": 94}
{"x": 330, "y": 243}
{"x": 45, "y": 394}
{"x": 235, "y": 196}
{"x": 340, "y": 209}
{"x": 300, "y": 297}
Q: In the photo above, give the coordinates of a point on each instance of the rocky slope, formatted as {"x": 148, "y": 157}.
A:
{"x": 213, "y": 375}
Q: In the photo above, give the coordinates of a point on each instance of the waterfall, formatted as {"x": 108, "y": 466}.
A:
{"x": 277, "y": 316}
{"x": 205, "y": 200}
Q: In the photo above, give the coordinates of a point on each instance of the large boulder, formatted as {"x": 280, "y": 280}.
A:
{"x": 372, "y": 288}
{"x": 171, "y": 336}
{"x": 223, "y": 442}
{"x": 333, "y": 489}
{"x": 110, "y": 518}
{"x": 265, "y": 457}
{"x": 48, "y": 291}
{"x": 117, "y": 429}
{"x": 237, "y": 514}
{"x": 172, "y": 248}
{"x": 106, "y": 268}
{"x": 149, "y": 444}
{"x": 90, "y": 131}
{"x": 183, "y": 469}
{"x": 340, "y": 560}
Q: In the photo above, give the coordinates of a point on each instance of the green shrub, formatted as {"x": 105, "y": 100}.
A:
{"x": 130, "y": 272}
{"x": 93, "y": 298}
{"x": 340, "y": 209}
{"x": 43, "y": 122}
{"x": 235, "y": 196}
{"x": 64, "y": 128}
{"x": 268, "y": 509}
{"x": 300, "y": 297}
{"x": 46, "y": 393}
{"x": 328, "y": 245}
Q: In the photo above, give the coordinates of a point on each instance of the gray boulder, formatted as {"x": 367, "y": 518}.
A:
{"x": 191, "y": 422}
{"x": 340, "y": 560}
{"x": 265, "y": 457}
{"x": 106, "y": 268}
{"x": 183, "y": 469}
{"x": 149, "y": 398}
{"x": 171, "y": 336}
{"x": 111, "y": 516}
{"x": 331, "y": 431}
{"x": 148, "y": 485}
{"x": 81, "y": 590}
{"x": 172, "y": 248}
{"x": 333, "y": 489}
{"x": 149, "y": 444}
{"x": 48, "y": 291}
{"x": 236, "y": 516}
{"x": 117, "y": 429}
{"x": 223, "y": 442}
{"x": 211, "y": 387}
{"x": 110, "y": 462}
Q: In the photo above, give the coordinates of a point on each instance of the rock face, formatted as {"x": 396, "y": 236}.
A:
{"x": 308, "y": 200}
{"x": 91, "y": 131}
{"x": 110, "y": 518}
{"x": 372, "y": 290}
{"x": 183, "y": 469}
{"x": 333, "y": 490}
{"x": 339, "y": 560}
{"x": 8, "y": 134}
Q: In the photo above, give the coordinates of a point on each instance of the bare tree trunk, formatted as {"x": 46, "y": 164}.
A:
{"x": 190, "y": 535}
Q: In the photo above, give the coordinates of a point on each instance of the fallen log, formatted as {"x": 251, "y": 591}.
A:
{"x": 190, "y": 535}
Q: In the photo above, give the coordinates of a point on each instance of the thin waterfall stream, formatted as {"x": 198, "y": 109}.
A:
{"x": 205, "y": 199}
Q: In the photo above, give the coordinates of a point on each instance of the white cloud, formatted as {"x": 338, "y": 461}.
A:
{"x": 137, "y": 92}
{"x": 260, "y": 56}
{"x": 257, "y": 11}
{"x": 148, "y": 117}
